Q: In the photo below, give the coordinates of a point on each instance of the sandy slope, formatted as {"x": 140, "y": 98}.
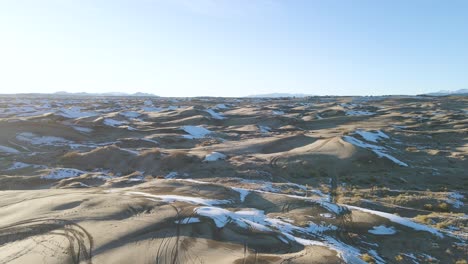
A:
{"x": 310, "y": 180}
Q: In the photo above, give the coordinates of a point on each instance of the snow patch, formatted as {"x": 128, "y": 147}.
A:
{"x": 372, "y": 136}
{"x": 180, "y": 198}
{"x": 21, "y": 165}
{"x": 8, "y": 150}
{"x": 327, "y": 215}
{"x": 41, "y": 140}
{"x": 196, "y": 132}
{"x": 75, "y": 112}
{"x": 214, "y": 156}
{"x": 399, "y": 220}
{"x": 257, "y": 220}
{"x": 152, "y": 109}
{"x": 264, "y": 129}
{"x": 113, "y": 123}
{"x": 382, "y": 230}
{"x": 242, "y": 192}
{"x": 376, "y": 149}
{"x": 18, "y": 165}
{"x": 454, "y": 199}
{"x": 130, "y": 114}
{"x": 188, "y": 220}
{"x": 214, "y": 114}
{"x": 221, "y": 106}
{"x": 171, "y": 175}
{"x": 83, "y": 129}
{"x": 358, "y": 113}
{"x": 62, "y": 173}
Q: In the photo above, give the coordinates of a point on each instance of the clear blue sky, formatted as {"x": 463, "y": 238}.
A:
{"x": 235, "y": 47}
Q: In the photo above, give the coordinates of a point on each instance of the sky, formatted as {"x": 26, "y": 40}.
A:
{"x": 233, "y": 47}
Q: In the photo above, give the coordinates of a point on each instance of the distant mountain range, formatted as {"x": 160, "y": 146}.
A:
{"x": 444, "y": 93}
{"x": 276, "y": 95}
{"x": 105, "y": 94}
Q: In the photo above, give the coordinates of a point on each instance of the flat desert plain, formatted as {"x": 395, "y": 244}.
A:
{"x": 233, "y": 180}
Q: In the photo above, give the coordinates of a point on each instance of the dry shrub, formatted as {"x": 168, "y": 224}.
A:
{"x": 444, "y": 207}
{"x": 428, "y": 207}
{"x": 367, "y": 258}
{"x": 426, "y": 219}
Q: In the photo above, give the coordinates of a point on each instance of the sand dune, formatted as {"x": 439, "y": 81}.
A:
{"x": 233, "y": 180}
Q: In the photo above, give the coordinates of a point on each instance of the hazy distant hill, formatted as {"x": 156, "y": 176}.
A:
{"x": 105, "y": 94}
{"x": 275, "y": 95}
{"x": 445, "y": 92}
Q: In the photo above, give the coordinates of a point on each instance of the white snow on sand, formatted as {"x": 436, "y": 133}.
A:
{"x": 278, "y": 112}
{"x": 359, "y": 113}
{"x": 214, "y": 114}
{"x": 399, "y": 220}
{"x": 113, "y": 123}
{"x": 332, "y": 207}
{"x": 130, "y": 114}
{"x": 372, "y": 136}
{"x": 382, "y": 230}
{"x": 36, "y": 113}
{"x": 220, "y": 216}
{"x": 139, "y": 178}
{"x": 150, "y": 140}
{"x": 214, "y": 156}
{"x": 242, "y": 192}
{"x": 18, "y": 110}
{"x": 254, "y": 219}
{"x": 180, "y": 198}
{"x": 196, "y": 132}
{"x": 75, "y": 112}
{"x": 8, "y": 150}
{"x": 83, "y": 129}
{"x": 376, "y": 257}
{"x": 193, "y": 181}
{"x": 19, "y": 165}
{"x": 327, "y": 215}
{"x": 62, "y": 173}
{"x": 41, "y": 140}
{"x": 152, "y": 109}
{"x": 188, "y": 220}
{"x": 133, "y": 152}
{"x": 171, "y": 175}
{"x": 379, "y": 150}
{"x": 221, "y": 106}
{"x": 264, "y": 129}
{"x": 265, "y": 186}
{"x": 411, "y": 256}
{"x": 454, "y": 199}
{"x": 246, "y": 219}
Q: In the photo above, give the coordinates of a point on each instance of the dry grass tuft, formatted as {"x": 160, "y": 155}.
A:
{"x": 367, "y": 258}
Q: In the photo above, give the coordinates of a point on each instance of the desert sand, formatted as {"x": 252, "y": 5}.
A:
{"x": 233, "y": 180}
